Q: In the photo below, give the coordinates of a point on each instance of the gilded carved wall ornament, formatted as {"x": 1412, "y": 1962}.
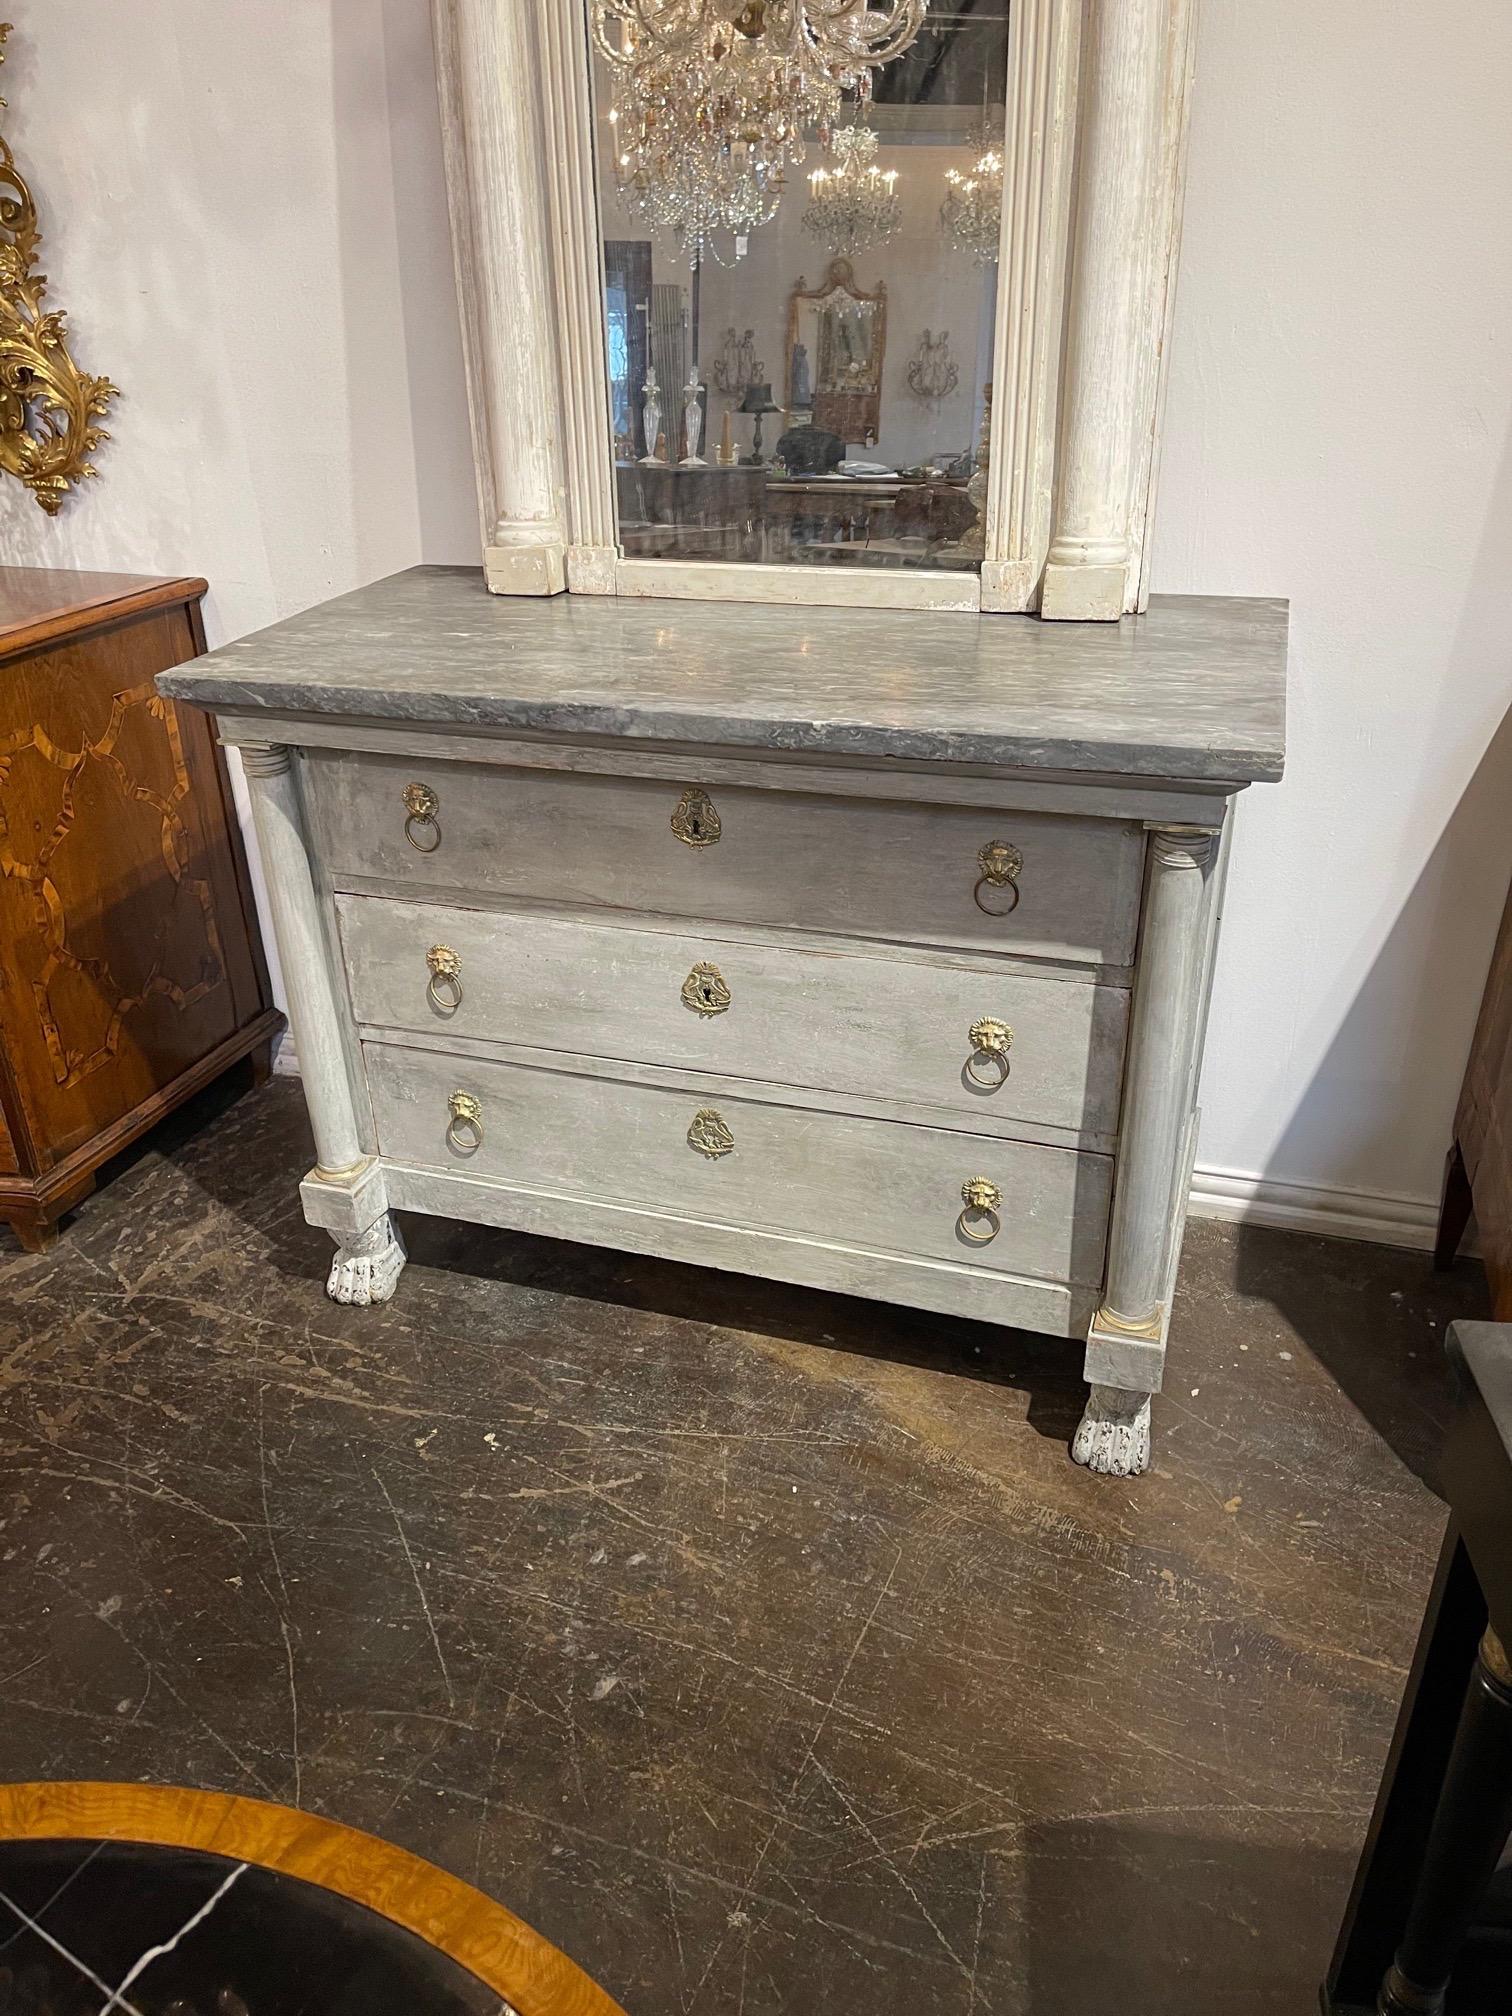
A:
{"x": 47, "y": 404}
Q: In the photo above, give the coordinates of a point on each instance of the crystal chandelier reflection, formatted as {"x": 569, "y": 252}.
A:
{"x": 711, "y": 97}
{"x": 693, "y": 198}
{"x": 972, "y": 211}
{"x": 855, "y": 203}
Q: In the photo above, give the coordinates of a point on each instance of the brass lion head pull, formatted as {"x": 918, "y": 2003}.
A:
{"x": 1001, "y": 866}
{"x": 464, "y": 1128}
{"x": 421, "y": 805}
{"x": 979, "y": 1223}
{"x": 444, "y": 988}
{"x": 694, "y": 820}
{"x": 990, "y": 1041}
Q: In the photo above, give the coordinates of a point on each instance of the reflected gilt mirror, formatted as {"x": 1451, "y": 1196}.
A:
{"x": 836, "y": 338}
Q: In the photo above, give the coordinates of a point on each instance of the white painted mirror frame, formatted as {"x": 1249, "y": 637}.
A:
{"x": 1094, "y": 163}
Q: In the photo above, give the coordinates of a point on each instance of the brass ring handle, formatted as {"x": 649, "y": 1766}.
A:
{"x": 979, "y": 1199}
{"x": 465, "y": 1112}
{"x": 1001, "y": 866}
{"x": 445, "y": 974}
{"x": 421, "y": 805}
{"x": 989, "y": 1039}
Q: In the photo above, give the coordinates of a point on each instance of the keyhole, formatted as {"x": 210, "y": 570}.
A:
{"x": 695, "y": 827}
{"x": 706, "y": 994}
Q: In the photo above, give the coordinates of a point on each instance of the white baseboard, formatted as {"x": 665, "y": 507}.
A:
{"x": 1381, "y": 1217}
{"x": 1378, "y": 1216}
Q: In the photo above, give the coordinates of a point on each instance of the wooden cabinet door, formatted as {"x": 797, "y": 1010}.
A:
{"x": 124, "y": 948}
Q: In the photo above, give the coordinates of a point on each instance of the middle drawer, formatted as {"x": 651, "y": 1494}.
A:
{"x": 969, "y": 1039}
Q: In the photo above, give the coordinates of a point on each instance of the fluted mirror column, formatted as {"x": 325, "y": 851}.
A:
{"x": 1086, "y": 574}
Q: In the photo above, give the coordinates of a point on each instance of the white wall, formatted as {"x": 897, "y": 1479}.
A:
{"x": 245, "y": 217}
{"x": 1338, "y": 432}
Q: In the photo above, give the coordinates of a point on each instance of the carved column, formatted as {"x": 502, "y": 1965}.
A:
{"x": 1086, "y": 575}
{"x": 297, "y": 929}
{"x": 1127, "y": 1341}
{"x": 1039, "y": 152}
{"x": 490, "y": 109}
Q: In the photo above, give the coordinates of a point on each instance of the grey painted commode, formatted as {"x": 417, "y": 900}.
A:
{"x": 864, "y": 949}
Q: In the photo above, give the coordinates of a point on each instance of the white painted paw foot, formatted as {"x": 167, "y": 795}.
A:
{"x": 367, "y": 1268}
{"x": 1114, "y": 1436}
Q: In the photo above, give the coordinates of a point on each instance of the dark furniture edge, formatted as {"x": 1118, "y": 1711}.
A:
{"x": 89, "y": 617}
{"x": 52, "y": 1191}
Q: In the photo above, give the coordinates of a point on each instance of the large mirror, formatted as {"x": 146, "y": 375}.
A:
{"x": 800, "y": 334}
{"x": 1005, "y": 174}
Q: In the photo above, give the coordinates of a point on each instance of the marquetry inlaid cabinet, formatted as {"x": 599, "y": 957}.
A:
{"x": 130, "y": 968}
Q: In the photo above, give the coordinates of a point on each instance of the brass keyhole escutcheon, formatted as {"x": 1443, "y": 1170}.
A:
{"x": 444, "y": 987}
{"x": 990, "y": 1041}
{"x": 709, "y": 1134}
{"x": 694, "y": 821}
{"x": 706, "y": 991}
{"x": 421, "y": 805}
{"x": 979, "y": 1223}
{"x": 1001, "y": 866}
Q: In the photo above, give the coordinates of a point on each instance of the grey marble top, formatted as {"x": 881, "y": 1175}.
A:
{"x": 1195, "y": 689}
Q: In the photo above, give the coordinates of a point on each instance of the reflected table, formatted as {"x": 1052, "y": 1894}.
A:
{"x": 670, "y": 512}
{"x": 881, "y": 518}
{"x": 749, "y": 513}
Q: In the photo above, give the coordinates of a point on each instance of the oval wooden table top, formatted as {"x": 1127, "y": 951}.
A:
{"x": 532, "y": 1976}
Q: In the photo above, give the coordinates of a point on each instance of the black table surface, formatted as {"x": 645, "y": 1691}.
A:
{"x": 1477, "y": 1461}
{"x": 174, "y": 1932}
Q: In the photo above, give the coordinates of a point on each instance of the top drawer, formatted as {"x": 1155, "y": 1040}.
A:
{"x": 1033, "y": 884}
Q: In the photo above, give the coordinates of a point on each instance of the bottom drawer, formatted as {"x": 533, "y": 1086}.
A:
{"x": 880, "y": 1185}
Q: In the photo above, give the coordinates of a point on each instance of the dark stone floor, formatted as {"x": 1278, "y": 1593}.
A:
{"x": 761, "y": 1648}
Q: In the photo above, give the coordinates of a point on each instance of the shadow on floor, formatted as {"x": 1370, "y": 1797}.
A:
{"x": 1046, "y": 1369}
{"x": 1375, "y": 1318}
{"x": 1401, "y": 1041}
{"x": 1131, "y": 1919}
